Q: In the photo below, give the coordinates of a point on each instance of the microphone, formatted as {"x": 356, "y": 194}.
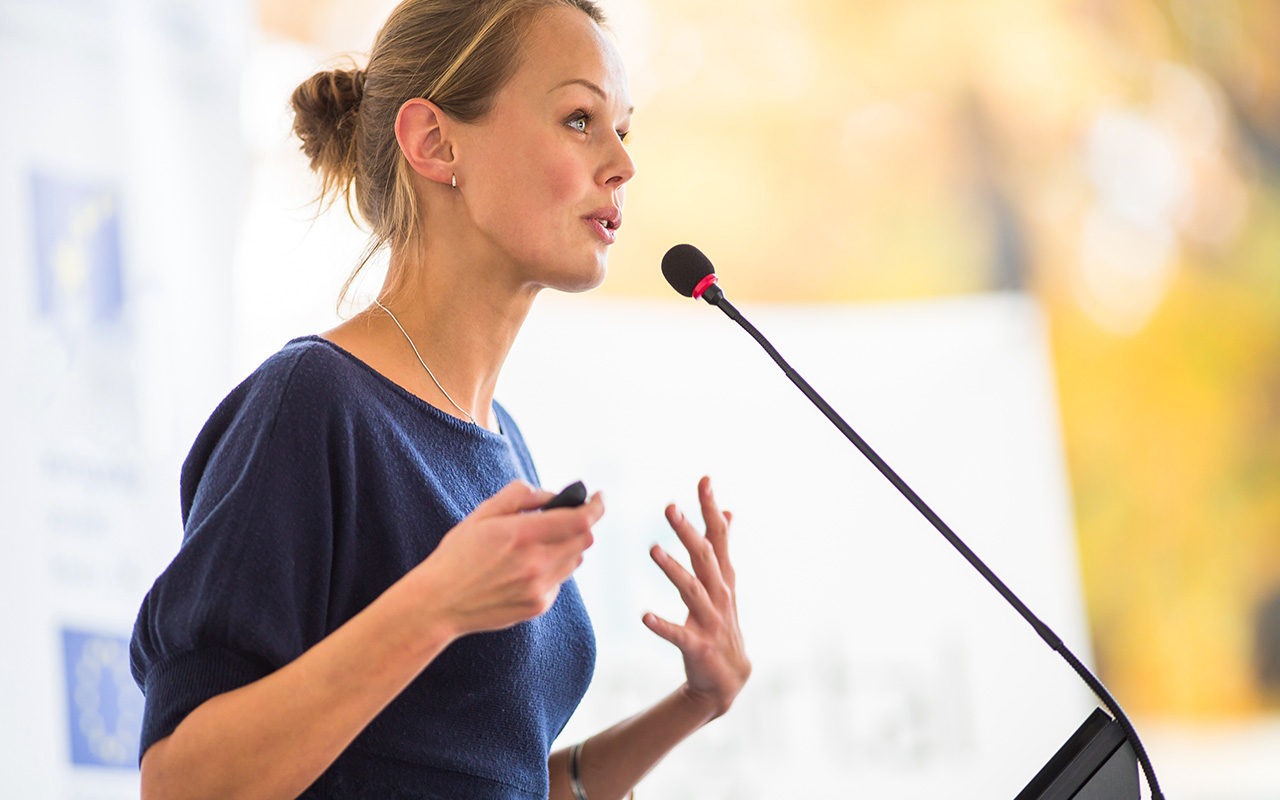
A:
{"x": 691, "y": 274}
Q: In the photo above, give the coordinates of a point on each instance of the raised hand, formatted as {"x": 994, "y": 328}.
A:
{"x": 500, "y": 566}
{"x": 715, "y": 662}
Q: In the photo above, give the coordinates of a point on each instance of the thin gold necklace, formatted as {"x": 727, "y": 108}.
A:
{"x": 423, "y": 363}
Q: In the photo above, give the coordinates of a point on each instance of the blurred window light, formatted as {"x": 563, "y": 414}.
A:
{"x": 1128, "y": 248}
{"x": 1186, "y": 101}
{"x": 1189, "y": 105}
{"x": 1135, "y": 167}
{"x": 1125, "y": 269}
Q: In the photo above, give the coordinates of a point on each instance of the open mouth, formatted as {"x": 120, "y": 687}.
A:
{"x": 605, "y": 221}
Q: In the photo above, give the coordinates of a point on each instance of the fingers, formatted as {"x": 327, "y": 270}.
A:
{"x": 701, "y": 554}
{"x": 561, "y": 524}
{"x": 548, "y": 545}
{"x": 512, "y": 498}
{"x": 671, "y": 632}
{"x": 564, "y": 568}
{"x": 717, "y": 523}
{"x": 693, "y": 592}
{"x": 710, "y": 553}
{"x": 711, "y": 515}
{"x": 556, "y": 525}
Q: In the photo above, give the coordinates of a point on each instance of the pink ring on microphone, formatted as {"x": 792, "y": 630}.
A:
{"x": 703, "y": 285}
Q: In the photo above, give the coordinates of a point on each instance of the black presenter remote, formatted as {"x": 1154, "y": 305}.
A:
{"x": 575, "y": 494}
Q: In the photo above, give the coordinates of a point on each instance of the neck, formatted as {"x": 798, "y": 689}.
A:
{"x": 463, "y": 316}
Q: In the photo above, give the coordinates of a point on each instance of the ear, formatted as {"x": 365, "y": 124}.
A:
{"x": 423, "y": 132}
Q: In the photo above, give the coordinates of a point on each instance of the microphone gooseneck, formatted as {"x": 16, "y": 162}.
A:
{"x": 688, "y": 270}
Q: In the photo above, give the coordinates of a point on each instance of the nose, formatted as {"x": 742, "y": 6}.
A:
{"x": 619, "y": 168}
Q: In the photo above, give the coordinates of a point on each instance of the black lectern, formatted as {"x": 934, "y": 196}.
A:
{"x": 1096, "y": 763}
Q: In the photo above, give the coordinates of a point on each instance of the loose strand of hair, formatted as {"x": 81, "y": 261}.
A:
{"x": 475, "y": 42}
{"x": 397, "y": 232}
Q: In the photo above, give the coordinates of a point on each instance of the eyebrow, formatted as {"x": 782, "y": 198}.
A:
{"x": 595, "y": 89}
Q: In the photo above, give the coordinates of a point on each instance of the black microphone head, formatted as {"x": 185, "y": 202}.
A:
{"x": 685, "y": 267}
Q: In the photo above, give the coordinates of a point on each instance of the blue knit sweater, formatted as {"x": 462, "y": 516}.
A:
{"x": 315, "y": 485}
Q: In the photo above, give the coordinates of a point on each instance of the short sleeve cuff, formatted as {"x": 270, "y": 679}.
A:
{"x": 176, "y": 686}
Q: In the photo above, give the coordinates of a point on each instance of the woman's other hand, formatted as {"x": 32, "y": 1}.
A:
{"x": 501, "y": 566}
{"x": 715, "y": 662}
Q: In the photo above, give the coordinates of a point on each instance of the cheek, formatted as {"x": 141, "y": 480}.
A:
{"x": 537, "y": 166}
{"x": 561, "y": 178}
{"x": 550, "y": 192}
{"x": 533, "y": 192}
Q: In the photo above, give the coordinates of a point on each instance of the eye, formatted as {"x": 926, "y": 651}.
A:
{"x": 580, "y": 121}
{"x": 624, "y": 137}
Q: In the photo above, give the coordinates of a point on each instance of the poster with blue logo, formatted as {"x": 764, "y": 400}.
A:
{"x": 77, "y": 249}
{"x": 104, "y": 705}
{"x": 83, "y": 356}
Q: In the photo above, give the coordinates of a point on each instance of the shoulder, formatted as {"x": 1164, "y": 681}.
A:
{"x": 307, "y": 375}
{"x": 308, "y": 362}
{"x": 293, "y": 397}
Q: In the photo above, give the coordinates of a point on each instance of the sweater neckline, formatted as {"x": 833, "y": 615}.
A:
{"x": 458, "y": 425}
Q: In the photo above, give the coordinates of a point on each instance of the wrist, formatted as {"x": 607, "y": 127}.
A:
{"x": 698, "y": 706}
{"x": 429, "y": 626}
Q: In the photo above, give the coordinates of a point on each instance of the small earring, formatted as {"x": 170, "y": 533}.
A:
{"x": 455, "y": 181}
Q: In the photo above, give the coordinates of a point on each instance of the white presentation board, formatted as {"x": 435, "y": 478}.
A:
{"x": 884, "y": 665}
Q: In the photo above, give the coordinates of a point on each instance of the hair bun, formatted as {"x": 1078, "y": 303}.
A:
{"x": 325, "y": 110}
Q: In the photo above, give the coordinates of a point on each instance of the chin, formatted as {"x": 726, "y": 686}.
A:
{"x": 581, "y": 286}
{"x": 579, "y": 280}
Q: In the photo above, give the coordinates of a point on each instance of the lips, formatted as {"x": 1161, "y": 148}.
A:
{"x": 606, "y": 222}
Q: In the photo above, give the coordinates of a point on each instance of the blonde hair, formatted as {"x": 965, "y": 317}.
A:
{"x": 455, "y": 53}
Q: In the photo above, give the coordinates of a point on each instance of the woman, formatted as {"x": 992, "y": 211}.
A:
{"x": 367, "y": 602}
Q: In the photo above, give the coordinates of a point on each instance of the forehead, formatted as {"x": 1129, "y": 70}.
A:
{"x": 564, "y": 44}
